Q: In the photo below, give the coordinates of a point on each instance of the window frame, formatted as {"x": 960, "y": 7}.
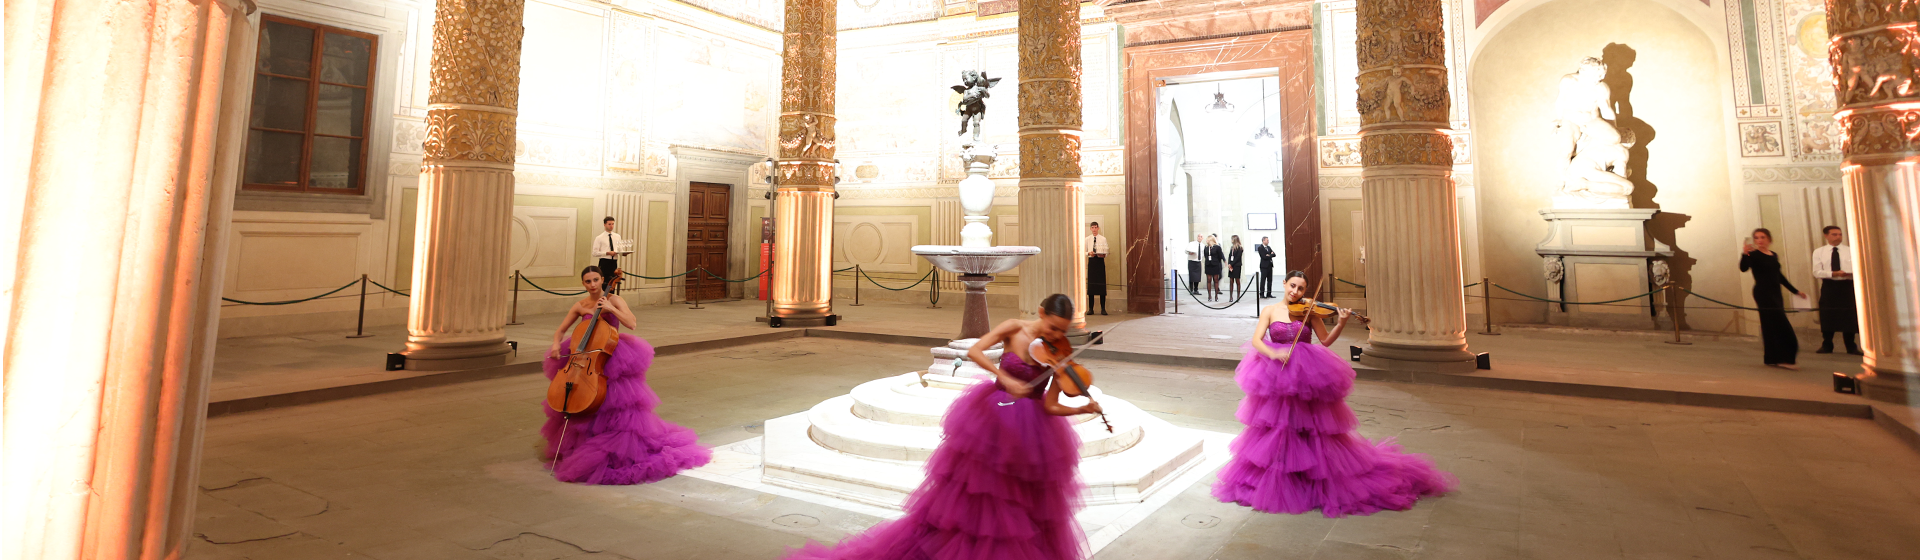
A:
{"x": 314, "y": 82}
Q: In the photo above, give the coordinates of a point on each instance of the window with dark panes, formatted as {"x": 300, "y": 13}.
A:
{"x": 312, "y": 90}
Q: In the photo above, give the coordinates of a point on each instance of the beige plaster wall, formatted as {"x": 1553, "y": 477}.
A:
{"x": 1666, "y": 71}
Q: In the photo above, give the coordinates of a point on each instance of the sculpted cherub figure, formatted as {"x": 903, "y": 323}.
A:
{"x": 973, "y": 100}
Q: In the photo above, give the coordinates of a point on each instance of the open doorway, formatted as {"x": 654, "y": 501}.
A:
{"x": 1220, "y": 169}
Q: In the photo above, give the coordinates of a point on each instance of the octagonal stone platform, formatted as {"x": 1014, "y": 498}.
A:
{"x": 871, "y": 445}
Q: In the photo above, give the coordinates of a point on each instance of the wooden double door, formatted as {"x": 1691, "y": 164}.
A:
{"x": 707, "y": 209}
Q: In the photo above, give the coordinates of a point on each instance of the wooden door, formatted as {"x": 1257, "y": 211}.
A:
{"x": 707, "y": 205}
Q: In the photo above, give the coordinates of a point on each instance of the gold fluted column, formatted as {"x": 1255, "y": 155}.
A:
{"x": 1875, "y": 46}
{"x": 803, "y": 199}
{"x": 1407, "y": 190}
{"x": 113, "y": 109}
{"x": 1052, "y": 199}
{"x": 457, "y": 316}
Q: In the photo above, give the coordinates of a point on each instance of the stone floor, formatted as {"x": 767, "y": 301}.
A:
{"x": 450, "y": 472}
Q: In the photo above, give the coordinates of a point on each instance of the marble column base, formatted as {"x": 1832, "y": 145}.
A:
{"x": 1897, "y": 387}
{"x": 448, "y": 356}
{"x": 1433, "y": 359}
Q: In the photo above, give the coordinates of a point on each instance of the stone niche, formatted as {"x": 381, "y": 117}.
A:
{"x": 1596, "y": 255}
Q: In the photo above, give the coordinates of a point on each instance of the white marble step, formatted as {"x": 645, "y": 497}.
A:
{"x": 837, "y": 424}
{"x": 794, "y": 459}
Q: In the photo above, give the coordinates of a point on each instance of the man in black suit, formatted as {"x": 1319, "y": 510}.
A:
{"x": 1265, "y": 250}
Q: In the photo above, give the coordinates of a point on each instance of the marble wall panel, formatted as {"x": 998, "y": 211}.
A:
{"x": 542, "y": 241}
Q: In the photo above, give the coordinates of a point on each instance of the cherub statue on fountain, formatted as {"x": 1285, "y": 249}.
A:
{"x": 973, "y": 101}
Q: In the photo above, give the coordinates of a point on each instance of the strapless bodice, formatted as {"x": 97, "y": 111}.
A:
{"x": 1286, "y": 333}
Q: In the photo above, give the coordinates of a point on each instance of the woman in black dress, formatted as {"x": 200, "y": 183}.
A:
{"x": 1233, "y": 265}
{"x": 1214, "y": 258}
{"x": 1776, "y": 333}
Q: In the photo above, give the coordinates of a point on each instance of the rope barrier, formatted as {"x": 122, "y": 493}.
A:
{"x": 1510, "y": 291}
{"x": 1235, "y": 301}
{"x": 870, "y": 279}
{"x": 370, "y": 280}
{"x": 529, "y": 282}
{"x": 1788, "y": 310}
{"x": 293, "y": 301}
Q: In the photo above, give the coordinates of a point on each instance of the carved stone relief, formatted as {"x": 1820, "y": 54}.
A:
{"x": 1411, "y": 148}
{"x": 461, "y": 134}
{"x": 476, "y": 53}
{"x": 1340, "y": 152}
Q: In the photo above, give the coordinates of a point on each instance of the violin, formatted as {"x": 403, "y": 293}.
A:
{"x": 581, "y": 385}
{"x": 1072, "y": 378}
{"x": 1299, "y": 310}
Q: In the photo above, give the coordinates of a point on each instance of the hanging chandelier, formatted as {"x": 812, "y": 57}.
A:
{"x": 1220, "y": 104}
{"x": 1263, "y": 134}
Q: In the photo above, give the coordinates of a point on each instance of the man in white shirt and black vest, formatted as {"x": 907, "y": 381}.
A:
{"x": 606, "y": 247}
{"x": 1833, "y": 265}
{"x": 1096, "y": 245}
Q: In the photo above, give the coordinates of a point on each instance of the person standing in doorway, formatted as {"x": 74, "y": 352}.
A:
{"x": 606, "y": 247}
{"x": 1194, "y": 252}
{"x": 1096, "y": 245}
{"x": 1235, "y": 261}
{"x": 1265, "y": 250}
{"x": 1215, "y": 258}
{"x": 1833, "y": 265}
{"x": 1776, "y": 333}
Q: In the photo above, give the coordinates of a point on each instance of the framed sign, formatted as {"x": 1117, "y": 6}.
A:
{"x": 1263, "y": 222}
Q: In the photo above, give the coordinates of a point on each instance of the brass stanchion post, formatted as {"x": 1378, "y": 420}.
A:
{"x": 1673, "y": 305}
{"x": 360, "y": 325}
{"x": 1486, "y": 305}
{"x": 693, "y": 292}
{"x": 856, "y": 284}
{"x": 933, "y": 290}
{"x": 513, "y": 316}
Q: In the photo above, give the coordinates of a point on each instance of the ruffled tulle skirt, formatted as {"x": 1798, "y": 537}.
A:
{"x": 1001, "y": 486}
{"x": 624, "y": 441}
{"x": 1301, "y": 450}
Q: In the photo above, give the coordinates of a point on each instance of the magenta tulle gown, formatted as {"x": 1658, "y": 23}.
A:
{"x": 622, "y": 442}
{"x": 1001, "y": 486}
{"x": 1300, "y": 450}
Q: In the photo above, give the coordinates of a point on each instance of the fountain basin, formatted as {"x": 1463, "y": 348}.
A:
{"x": 975, "y": 261}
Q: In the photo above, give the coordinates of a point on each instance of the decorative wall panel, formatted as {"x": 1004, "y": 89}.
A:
{"x": 543, "y": 241}
{"x": 858, "y": 14}
{"x": 876, "y": 243}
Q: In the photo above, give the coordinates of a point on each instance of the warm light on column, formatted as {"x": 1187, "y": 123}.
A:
{"x": 806, "y": 173}
{"x": 1052, "y": 197}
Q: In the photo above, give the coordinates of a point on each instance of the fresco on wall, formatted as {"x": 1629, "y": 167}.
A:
{"x": 770, "y": 14}
{"x": 721, "y": 96}
{"x": 901, "y": 116}
{"x": 1816, "y": 137}
{"x": 859, "y": 14}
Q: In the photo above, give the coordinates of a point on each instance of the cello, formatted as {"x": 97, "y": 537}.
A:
{"x": 581, "y": 384}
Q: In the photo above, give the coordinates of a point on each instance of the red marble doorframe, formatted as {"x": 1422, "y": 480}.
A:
{"x": 1290, "y": 54}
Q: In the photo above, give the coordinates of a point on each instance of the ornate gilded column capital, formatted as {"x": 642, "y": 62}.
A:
{"x": 473, "y": 87}
{"x": 1401, "y": 49}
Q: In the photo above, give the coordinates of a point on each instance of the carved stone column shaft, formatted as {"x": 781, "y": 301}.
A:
{"x": 458, "y": 313}
{"x": 1407, "y": 190}
{"x": 125, "y": 110}
{"x": 1052, "y": 199}
{"x": 1875, "y": 45}
{"x": 803, "y": 198}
